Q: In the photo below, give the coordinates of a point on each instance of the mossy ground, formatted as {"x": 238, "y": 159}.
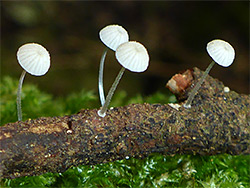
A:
{"x": 154, "y": 171}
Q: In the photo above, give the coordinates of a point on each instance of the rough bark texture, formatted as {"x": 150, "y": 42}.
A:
{"x": 218, "y": 122}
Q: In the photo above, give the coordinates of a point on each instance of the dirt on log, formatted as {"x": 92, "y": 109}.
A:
{"x": 218, "y": 122}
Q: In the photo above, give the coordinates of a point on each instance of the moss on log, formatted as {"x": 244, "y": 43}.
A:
{"x": 218, "y": 122}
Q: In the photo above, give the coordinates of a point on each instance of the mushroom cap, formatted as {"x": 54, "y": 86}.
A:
{"x": 133, "y": 56}
{"x": 34, "y": 59}
{"x": 221, "y": 52}
{"x": 113, "y": 35}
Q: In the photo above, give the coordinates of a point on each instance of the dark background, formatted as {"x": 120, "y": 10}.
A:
{"x": 174, "y": 33}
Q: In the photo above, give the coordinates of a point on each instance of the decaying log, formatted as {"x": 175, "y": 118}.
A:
{"x": 218, "y": 122}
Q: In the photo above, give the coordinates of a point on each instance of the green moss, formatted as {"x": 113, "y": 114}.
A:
{"x": 157, "y": 170}
{"x": 34, "y": 102}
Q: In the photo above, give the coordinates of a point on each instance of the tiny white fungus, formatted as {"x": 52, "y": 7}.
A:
{"x": 34, "y": 59}
{"x": 132, "y": 56}
{"x": 46, "y": 156}
{"x": 69, "y": 131}
{"x": 112, "y": 36}
{"x": 223, "y": 54}
{"x": 175, "y": 106}
{"x": 226, "y": 89}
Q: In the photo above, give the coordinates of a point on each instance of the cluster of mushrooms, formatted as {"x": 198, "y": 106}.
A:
{"x": 131, "y": 55}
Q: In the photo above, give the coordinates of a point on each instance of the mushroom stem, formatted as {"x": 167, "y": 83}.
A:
{"x": 100, "y": 80}
{"x": 198, "y": 85}
{"x": 18, "y": 99}
{"x": 102, "y": 111}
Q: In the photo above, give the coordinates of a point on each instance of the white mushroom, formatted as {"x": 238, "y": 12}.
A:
{"x": 112, "y": 36}
{"x": 132, "y": 56}
{"x": 223, "y": 54}
{"x": 34, "y": 59}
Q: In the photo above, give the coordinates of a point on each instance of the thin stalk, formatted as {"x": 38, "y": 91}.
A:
{"x": 102, "y": 111}
{"x": 100, "y": 81}
{"x": 18, "y": 98}
{"x": 198, "y": 85}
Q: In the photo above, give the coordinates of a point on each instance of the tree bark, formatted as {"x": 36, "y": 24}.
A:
{"x": 218, "y": 122}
